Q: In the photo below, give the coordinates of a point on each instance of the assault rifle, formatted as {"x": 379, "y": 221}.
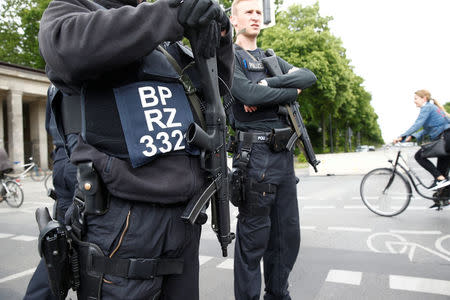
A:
{"x": 300, "y": 135}
{"x": 213, "y": 152}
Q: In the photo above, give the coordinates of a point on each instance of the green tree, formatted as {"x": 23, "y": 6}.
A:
{"x": 447, "y": 107}
{"x": 19, "y": 27}
{"x": 302, "y": 37}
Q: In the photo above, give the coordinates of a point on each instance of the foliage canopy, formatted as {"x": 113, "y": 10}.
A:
{"x": 301, "y": 36}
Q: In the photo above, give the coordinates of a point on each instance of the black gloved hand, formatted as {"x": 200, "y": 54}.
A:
{"x": 195, "y": 13}
{"x": 208, "y": 39}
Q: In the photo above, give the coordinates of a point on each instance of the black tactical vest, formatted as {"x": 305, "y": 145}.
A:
{"x": 152, "y": 86}
{"x": 255, "y": 71}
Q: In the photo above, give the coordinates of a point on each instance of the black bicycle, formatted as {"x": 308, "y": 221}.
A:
{"x": 10, "y": 191}
{"x": 387, "y": 191}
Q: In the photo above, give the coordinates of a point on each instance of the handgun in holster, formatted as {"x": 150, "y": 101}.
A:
{"x": 61, "y": 260}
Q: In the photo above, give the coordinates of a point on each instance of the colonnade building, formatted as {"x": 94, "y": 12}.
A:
{"x": 23, "y": 95}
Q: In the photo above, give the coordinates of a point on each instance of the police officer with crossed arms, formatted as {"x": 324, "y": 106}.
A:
{"x": 268, "y": 223}
{"x": 135, "y": 170}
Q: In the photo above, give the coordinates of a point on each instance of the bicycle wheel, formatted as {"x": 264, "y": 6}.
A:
{"x": 383, "y": 194}
{"x": 14, "y": 194}
{"x": 37, "y": 174}
{"x": 48, "y": 181}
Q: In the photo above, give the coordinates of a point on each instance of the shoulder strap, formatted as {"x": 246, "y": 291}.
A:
{"x": 188, "y": 86}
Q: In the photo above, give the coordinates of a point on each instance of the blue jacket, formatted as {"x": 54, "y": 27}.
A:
{"x": 433, "y": 121}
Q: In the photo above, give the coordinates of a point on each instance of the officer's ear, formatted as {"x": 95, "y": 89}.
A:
{"x": 233, "y": 21}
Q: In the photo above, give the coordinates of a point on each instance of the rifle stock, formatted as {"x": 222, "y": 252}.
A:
{"x": 213, "y": 150}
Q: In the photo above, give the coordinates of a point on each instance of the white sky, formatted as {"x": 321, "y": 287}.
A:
{"x": 397, "y": 47}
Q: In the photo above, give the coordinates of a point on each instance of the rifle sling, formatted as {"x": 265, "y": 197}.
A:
{"x": 188, "y": 87}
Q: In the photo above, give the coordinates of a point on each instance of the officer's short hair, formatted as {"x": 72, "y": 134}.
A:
{"x": 234, "y": 4}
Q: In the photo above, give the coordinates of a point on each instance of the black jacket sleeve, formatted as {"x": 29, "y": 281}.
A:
{"x": 80, "y": 41}
{"x": 300, "y": 79}
{"x": 253, "y": 94}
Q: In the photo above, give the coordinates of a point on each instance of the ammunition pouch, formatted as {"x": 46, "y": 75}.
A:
{"x": 279, "y": 138}
{"x": 235, "y": 186}
{"x": 61, "y": 259}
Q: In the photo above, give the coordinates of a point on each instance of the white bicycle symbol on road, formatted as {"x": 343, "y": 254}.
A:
{"x": 397, "y": 244}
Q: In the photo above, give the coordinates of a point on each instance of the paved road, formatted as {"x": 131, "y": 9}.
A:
{"x": 347, "y": 252}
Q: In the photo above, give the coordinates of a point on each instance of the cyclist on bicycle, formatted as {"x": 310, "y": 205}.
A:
{"x": 434, "y": 121}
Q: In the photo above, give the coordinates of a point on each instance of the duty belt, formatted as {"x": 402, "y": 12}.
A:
{"x": 253, "y": 137}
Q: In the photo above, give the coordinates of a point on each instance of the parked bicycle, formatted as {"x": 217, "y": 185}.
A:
{"x": 387, "y": 191}
{"x": 36, "y": 172}
{"x": 11, "y": 191}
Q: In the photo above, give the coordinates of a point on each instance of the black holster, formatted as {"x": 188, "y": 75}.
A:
{"x": 94, "y": 194}
{"x": 61, "y": 260}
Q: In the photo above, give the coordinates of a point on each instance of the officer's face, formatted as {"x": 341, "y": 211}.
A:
{"x": 248, "y": 16}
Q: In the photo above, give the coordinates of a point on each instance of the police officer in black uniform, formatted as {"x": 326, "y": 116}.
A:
{"x": 268, "y": 222}
{"x": 64, "y": 172}
{"x": 135, "y": 170}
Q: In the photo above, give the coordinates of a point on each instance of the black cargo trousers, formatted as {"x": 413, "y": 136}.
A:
{"x": 268, "y": 226}
{"x": 139, "y": 230}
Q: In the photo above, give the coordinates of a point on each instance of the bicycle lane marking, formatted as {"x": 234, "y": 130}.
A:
{"x": 438, "y": 244}
{"x": 404, "y": 245}
{"x": 391, "y": 250}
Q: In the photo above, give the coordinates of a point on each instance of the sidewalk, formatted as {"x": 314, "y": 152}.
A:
{"x": 355, "y": 163}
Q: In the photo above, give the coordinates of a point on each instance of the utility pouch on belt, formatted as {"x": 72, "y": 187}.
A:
{"x": 61, "y": 260}
{"x": 235, "y": 186}
{"x": 279, "y": 139}
{"x": 96, "y": 202}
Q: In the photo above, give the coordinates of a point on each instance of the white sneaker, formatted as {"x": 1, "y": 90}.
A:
{"x": 439, "y": 184}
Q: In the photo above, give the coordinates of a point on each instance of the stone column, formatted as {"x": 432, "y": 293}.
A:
{"x": 2, "y": 129}
{"x": 15, "y": 126}
{"x": 38, "y": 135}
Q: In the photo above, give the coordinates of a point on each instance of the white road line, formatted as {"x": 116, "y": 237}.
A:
{"x": 354, "y": 207}
{"x": 227, "y": 264}
{"x": 356, "y": 198}
{"x": 417, "y": 284}
{"x": 25, "y": 238}
{"x": 307, "y": 227}
{"x": 356, "y": 229}
{"x": 17, "y": 275}
{"x": 416, "y": 232}
{"x": 417, "y": 207}
{"x": 318, "y": 207}
{"x": 346, "y": 277}
{"x": 5, "y": 235}
{"x": 204, "y": 259}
